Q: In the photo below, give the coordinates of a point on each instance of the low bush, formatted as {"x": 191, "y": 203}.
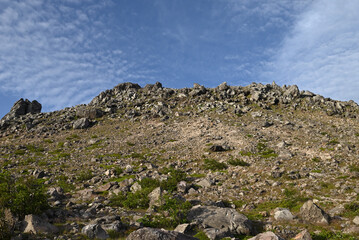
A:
{"x": 176, "y": 213}
{"x": 22, "y": 196}
{"x": 238, "y": 162}
{"x": 211, "y": 164}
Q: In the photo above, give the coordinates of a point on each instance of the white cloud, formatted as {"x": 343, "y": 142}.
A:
{"x": 321, "y": 53}
{"x": 49, "y": 51}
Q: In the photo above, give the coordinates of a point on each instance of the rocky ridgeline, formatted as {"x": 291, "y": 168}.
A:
{"x": 129, "y": 100}
{"x": 255, "y": 162}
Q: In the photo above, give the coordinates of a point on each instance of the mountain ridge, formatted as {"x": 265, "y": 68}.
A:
{"x": 231, "y": 161}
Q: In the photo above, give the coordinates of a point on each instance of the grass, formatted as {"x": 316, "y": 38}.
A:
{"x": 291, "y": 200}
{"x": 201, "y": 236}
{"x": 328, "y": 235}
{"x": 238, "y": 162}
{"x": 96, "y": 145}
{"x": 20, "y": 152}
{"x": 34, "y": 149}
{"x": 73, "y": 137}
{"x": 212, "y": 164}
{"x": 85, "y": 175}
{"x": 120, "y": 179}
{"x": 354, "y": 168}
{"x": 352, "y": 209}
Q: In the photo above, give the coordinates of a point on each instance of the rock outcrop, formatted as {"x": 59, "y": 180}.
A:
{"x": 156, "y": 234}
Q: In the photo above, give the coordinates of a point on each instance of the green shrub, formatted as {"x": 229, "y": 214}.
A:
{"x": 352, "y": 209}
{"x": 211, "y": 164}
{"x": 22, "y": 196}
{"x": 264, "y": 151}
{"x": 201, "y": 236}
{"x": 176, "y": 213}
{"x": 238, "y": 162}
{"x": 20, "y": 152}
{"x": 85, "y": 175}
{"x": 175, "y": 176}
{"x": 354, "y": 168}
{"x": 35, "y": 149}
{"x": 117, "y": 170}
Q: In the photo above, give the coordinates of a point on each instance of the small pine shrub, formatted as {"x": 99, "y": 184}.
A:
{"x": 238, "y": 162}
{"x": 211, "y": 164}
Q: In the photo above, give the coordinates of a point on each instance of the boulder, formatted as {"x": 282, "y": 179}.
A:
{"x": 157, "y": 234}
{"x": 153, "y": 87}
{"x": 312, "y": 213}
{"x": 94, "y": 231}
{"x": 155, "y": 197}
{"x": 183, "y": 228}
{"x": 266, "y": 236}
{"x": 303, "y": 235}
{"x": 223, "y": 86}
{"x": 283, "y": 214}
{"x": 356, "y": 220}
{"x": 81, "y": 123}
{"x": 22, "y": 107}
{"x": 90, "y": 113}
{"x": 220, "y": 218}
{"x": 214, "y": 233}
{"x": 36, "y": 225}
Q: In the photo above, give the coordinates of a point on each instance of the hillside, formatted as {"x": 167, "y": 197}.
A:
{"x": 218, "y": 160}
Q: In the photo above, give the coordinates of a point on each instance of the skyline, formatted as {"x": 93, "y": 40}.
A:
{"x": 64, "y": 53}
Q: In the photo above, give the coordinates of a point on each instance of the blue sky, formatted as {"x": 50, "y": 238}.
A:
{"x": 65, "y": 52}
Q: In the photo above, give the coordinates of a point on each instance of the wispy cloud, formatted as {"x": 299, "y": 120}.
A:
{"x": 54, "y": 51}
{"x": 321, "y": 53}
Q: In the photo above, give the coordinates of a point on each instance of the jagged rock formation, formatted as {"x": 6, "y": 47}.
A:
{"x": 154, "y": 101}
{"x": 215, "y": 162}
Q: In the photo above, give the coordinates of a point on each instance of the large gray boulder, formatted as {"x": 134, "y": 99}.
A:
{"x": 157, "y": 234}
{"x": 89, "y": 112}
{"x": 81, "y": 123}
{"x": 266, "y": 236}
{"x": 292, "y": 92}
{"x": 312, "y": 213}
{"x": 37, "y": 225}
{"x": 220, "y": 218}
{"x": 283, "y": 214}
{"x": 95, "y": 231}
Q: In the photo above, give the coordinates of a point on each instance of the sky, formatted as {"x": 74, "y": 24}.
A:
{"x": 65, "y": 52}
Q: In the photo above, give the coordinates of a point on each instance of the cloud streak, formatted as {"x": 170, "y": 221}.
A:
{"x": 54, "y": 51}
{"x": 321, "y": 53}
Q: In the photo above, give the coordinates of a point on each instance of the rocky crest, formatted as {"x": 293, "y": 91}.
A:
{"x": 264, "y": 161}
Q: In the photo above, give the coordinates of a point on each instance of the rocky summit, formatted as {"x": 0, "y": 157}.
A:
{"x": 231, "y": 162}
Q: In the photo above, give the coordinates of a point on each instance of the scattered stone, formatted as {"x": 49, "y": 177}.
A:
{"x": 183, "y": 228}
{"x": 220, "y": 218}
{"x": 266, "y": 236}
{"x": 37, "y": 225}
{"x": 217, "y": 148}
{"x": 303, "y": 235}
{"x": 81, "y": 123}
{"x": 356, "y": 220}
{"x": 155, "y": 197}
{"x": 312, "y": 213}
{"x": 157, "y": 234}
{"x": 94, "y": 231}
{"x": 283, "y": 214}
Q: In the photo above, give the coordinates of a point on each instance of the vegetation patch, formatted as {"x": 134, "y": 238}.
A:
{"x": 175, "y": 210}
{"x": 214, "y": 165}
{"x": 238, "y": 162}
{"x": 23, "y": 195}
